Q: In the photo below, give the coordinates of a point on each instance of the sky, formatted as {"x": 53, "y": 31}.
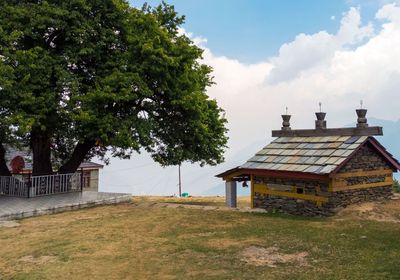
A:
{"x": 253, "y": 30}
{"x": 269, "y": 55}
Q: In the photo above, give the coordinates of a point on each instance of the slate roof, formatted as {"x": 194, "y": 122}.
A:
{"x": 319, "y": 155}
{"x": 90, "y": 164}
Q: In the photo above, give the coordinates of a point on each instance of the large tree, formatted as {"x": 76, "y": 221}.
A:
{"x": 84, "y": 78}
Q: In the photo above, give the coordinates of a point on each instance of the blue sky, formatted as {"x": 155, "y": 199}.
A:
{"x": 252, "y": 30}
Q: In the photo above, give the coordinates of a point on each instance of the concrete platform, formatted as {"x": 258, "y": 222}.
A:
{"x": 17, "y": 208}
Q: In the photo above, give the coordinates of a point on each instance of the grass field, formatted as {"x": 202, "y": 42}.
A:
{"x": 135, "y": 241}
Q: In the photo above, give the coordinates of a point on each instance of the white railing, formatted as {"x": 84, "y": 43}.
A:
{"x": 13, "y": 186}
{"x": 52, "y": 184}
{"x": 40, "y": 185}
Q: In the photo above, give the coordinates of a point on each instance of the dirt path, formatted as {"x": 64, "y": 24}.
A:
{"x": 381, "y": 211}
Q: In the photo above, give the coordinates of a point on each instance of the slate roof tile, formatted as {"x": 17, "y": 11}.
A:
{"x": 320, "y": 155}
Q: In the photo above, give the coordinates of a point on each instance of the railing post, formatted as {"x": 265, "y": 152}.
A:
{"x": 28, "y": 189}
{"x": 81, "y": 179}
{"x": 29, "y": 186}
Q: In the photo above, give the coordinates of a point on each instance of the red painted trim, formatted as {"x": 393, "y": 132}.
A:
{"x": 275, "y": 173}
{"x": 227, "y": 172}
{"x": 288, "y": 174}
{"x": 378, "y": 146}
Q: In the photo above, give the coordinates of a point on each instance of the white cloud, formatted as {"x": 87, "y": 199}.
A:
{"x": 351, "y": 31}
{"x": 375, "y": 4}
{"x": 338, "y": 69}
{"x": 390, "y": 12}
{"x": 308, "y": 51}
{"x": 231, "y": 76}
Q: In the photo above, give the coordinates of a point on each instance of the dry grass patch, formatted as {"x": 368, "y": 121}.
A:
{"x": 388, "y": 211}
{"x": 9, "y": 224}
{"x": 134, "y": 241}
{"x": 201, "y": 234}
{"x": 218, "y": 201}
{"x": 41, "y": 260}
{"x": 225, "y": 243}
{"x": 271, "y": 257}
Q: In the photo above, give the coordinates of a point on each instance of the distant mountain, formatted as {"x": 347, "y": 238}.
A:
{"x": 390, "y": 140}
{"x": 391, "y": 136}
{"x": 237, "y": 159}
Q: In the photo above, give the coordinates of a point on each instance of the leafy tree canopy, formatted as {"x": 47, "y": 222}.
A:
{"x": 81, "y": 78}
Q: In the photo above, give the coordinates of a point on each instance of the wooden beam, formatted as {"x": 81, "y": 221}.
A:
{"x": 368, "y": 173}
{"x": 340, "y": 187}
{"x": 263, "y": 189}
{"x": 339, "y": 181}
{"x": 227, "y": 172}
{"x": 276, "y": 174}
{"x": 330, "y": 186}
{"x": 348, "y": 131}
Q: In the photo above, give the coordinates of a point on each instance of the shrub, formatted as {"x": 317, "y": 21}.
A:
{"x": 396, "y": 186}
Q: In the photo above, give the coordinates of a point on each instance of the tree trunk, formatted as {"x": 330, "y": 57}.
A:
{"x": 77, "y": 157}
{"x": 4, "y": 171}
{"x": 40, "y": 145}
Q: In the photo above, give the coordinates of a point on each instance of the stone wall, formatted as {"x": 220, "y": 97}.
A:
{"x": 336, "y": 201}
{"x": 364, "y": 179}
{"x": 291, "y": 205}
{"x": 310, "y": 187}
{"x": 345, "y": 198}
{"x": 365, "y": 159}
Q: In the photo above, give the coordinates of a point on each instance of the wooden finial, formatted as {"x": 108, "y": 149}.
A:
{"x": 320, "y": 107}
{"x": 286, "y": 110}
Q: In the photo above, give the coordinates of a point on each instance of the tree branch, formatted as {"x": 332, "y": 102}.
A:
{"x": 80, "y": 152}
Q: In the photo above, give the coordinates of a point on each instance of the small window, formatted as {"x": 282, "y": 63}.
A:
{"x": 299, "y": 190}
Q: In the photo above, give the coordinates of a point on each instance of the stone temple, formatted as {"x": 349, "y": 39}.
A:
{"x": 316, "y": 171}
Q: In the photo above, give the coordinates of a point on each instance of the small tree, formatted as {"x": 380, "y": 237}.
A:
{"x": 81, "y": 78}
{"x": 396, "y": 185}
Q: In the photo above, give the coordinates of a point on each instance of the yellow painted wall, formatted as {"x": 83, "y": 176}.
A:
{"x": 338, "y": 183}
{"x": 263, "y": 189}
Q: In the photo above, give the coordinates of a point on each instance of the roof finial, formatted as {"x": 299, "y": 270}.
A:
{"x": 286, "y": 120}
{"x": 320, "y": 123}
{"x": 361, "y": 116}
